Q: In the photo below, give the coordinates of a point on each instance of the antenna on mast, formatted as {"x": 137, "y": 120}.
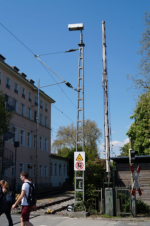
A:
{"x": 105, "y": 87}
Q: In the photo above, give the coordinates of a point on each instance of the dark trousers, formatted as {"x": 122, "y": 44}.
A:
{"x": 8, "y": 215}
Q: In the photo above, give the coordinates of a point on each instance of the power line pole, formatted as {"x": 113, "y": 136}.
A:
{"x": 106, "y": 119}
{"x": 37, "y": 135}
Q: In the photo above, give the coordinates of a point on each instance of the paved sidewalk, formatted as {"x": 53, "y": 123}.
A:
{"x": 55, "y": 220}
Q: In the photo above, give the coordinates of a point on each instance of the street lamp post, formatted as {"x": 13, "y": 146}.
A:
{"x": 79, "y": 180}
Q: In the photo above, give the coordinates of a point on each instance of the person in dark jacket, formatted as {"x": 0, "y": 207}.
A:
{"x": 7, "y": 210}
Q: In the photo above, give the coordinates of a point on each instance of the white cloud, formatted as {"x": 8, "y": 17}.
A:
{"x": 115, "y": 146}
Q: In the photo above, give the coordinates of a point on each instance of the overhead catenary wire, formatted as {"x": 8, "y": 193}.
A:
{"x": 67, "y": 51}
{"x": 68, "y": 84}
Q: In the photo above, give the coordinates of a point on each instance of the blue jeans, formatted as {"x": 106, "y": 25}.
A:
{"x": 8, "y": 215}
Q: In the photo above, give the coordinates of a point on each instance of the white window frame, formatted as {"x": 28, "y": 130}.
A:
{"x": 40, "y": 170}
{"x": 29, "y": 141}
{"x": 23, "y": 137}
{"x": 46, "y": 107}
{"x": 16, "y": 134}
{"x": 46, "y": 142}
{"x": 29, "y": 113}
{"x": 34, "y": 141}
{"x": 41, "y": 146}
{"x": 23, "y": 88}
{"x": 29, "y": 97}
{"x": 46, "y": 121}
{"x": 7, "y": 77}
{"x": 20, "y": 171}
{"x": 46, "y": 171}
{"x": 17, "y": 87}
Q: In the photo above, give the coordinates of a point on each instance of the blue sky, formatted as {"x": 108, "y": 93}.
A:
{"x": 43, "y": 27}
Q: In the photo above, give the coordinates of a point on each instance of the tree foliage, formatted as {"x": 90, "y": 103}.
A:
{"x": 5, "y": 117}
{"x": 66, "y": 138}
{"x": 140, "y": 129}
{"x": 124, "y": 151}
{"x": 142, "y": 79}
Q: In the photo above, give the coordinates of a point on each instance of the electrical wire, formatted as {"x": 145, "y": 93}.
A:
{"x": 63, "y": 113}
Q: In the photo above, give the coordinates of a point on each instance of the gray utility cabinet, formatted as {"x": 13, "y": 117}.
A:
{"x": 109, "y": 207}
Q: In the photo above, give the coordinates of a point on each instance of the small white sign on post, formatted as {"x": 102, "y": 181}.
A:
{"x": 79, "y": 161}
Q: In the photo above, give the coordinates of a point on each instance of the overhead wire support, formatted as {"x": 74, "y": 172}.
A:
{"x": 67, "y": 51}
{"x": 67, "y": 83}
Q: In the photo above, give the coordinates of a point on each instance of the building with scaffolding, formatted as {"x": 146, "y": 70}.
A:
{"x": 22, "y": 98}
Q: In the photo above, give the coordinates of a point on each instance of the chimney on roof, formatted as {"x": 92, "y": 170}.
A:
{"x": 24, "y": 75}
{"x": 2, "y": 57}
{"x": 31, "y": 81}
{"x": 15, "y": 68}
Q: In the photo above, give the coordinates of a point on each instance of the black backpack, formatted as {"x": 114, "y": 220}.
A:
{"x": 31, "y": 199}
{"x": 10, "y": 197}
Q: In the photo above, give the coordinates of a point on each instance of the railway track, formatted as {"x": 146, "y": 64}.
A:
{"x": 53, "y": 191}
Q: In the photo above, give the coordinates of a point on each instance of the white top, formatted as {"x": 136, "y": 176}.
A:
{"x": 25, "y": 187}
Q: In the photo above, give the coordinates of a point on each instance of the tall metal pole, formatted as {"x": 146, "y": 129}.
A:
{"x": 80, "y": 114}
{"x": 104, "y": 81}
{"x": 37, "y": 136}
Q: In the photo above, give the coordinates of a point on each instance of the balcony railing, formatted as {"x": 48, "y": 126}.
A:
{"x": 16, "y": 91}
{"x": 23, "y": 95}
{"x": 7, "y": 86}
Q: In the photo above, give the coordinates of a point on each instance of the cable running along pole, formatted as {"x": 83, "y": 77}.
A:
{"x": 105, "y": 87}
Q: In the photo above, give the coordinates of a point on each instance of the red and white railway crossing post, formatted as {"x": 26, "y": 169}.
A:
{"x": 135, "y": 184}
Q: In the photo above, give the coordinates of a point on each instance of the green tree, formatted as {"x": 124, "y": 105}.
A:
{"x": 66, "y": 137}
{"x": 124, "y": 151}
{"x": 142, "y": 79}
{"x": 5, "y": 117}
{"x": 140, "y": 129}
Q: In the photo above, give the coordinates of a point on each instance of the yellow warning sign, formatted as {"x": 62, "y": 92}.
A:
{"x": 79, "y": 158}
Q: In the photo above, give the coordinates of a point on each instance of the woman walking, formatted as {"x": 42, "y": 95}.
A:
{"x": 5, "y": 190}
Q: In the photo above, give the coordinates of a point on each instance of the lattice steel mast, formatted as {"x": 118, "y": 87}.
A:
{"x": 106, "y": 119}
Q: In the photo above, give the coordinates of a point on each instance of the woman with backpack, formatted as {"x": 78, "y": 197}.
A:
{"x": 7, "y": 210}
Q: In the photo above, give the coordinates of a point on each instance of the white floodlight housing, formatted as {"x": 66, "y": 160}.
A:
{"x": 75, "y": 27}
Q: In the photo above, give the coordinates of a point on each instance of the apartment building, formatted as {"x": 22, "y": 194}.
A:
{"x": 22, "y": 97}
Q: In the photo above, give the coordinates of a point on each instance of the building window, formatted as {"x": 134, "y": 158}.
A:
{"x": 41, "y": 104}
{"x": 34, "y": 170}
{"x": 35, "y": 116}
{"x": 23, "y": 92}
{"x": 51, "y": 169}
{"x": 46, "y": 144}
{"x": 5, "y": 172}
{"x": 40, "y": 171}
{"x": 41, "y": 119}
{"x": 46, "y": 171}
{"x": 55, "y": 169}
{"x": 15, "y": 105}
{"x": 7, "y": 98}
{"x": 29, "y": 169}
{"x": 22, "y": 109}
{"x": 21, "y": 167}
{"x": 36, "y": 101}
{"x": 8, "y": 82}
{"x": 15, "y": 134}
{"x": 34, "y": 145}
{"x": 0, "y": 77}
{"x": 22, "y": 137}
{"x": 12, "y": 171}
{"x": 29, "y": 113}
{"x": 46, "y": 107}
{"x": 29, "y": 139}
{"x": 30, "y": 97}
{"x": 59, "y": 169}
{"x": 46, "y": 121}
{"x": 41, "y": 143}
{"x": 16, "y": 87}
{"x": 64, "y": 170}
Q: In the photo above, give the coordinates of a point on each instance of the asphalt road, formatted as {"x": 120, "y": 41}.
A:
{"x": 55, "y": 220}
